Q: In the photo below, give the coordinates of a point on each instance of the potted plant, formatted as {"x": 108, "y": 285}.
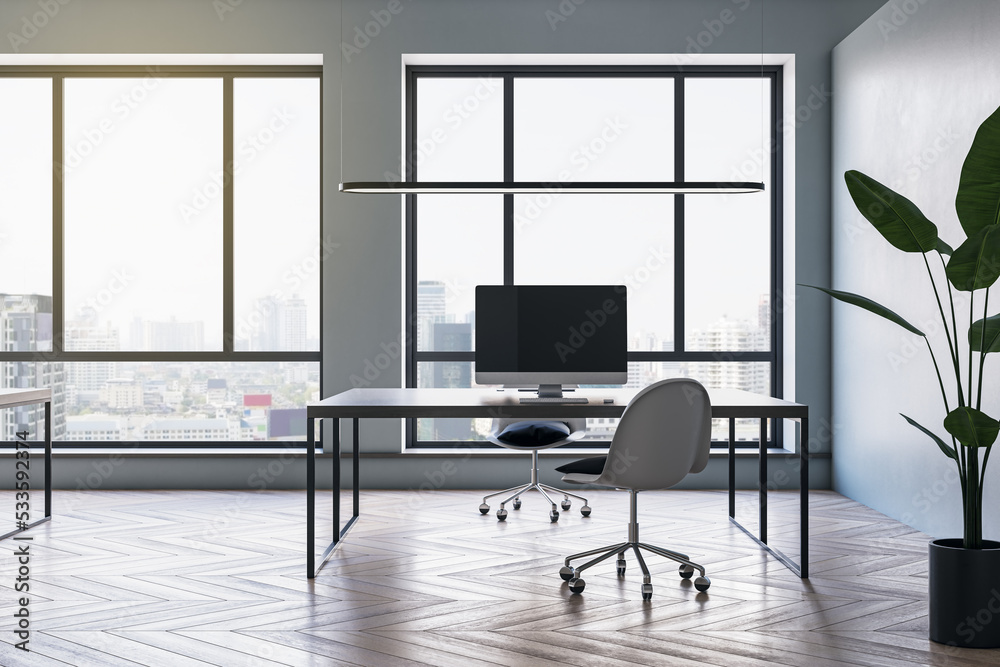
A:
{"x": 964, "y": 574}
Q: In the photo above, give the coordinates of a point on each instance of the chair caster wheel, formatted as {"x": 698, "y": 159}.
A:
{"x": 484, "y": 509}
{"x": 566, "y": 505}
{"x": 501, "y": 515}
{"x": 576, "y": 585}
{"x": 517, "y": 503}
{"x": 567, "y": 573}
{"x": 554, "y": 516}
{"x": 620, "y": 566}
{"x": 702, "y": 584}
{"x": 647, "y": 591}
{"x": 585, "y": 510}
{"x": 685, "y": 571}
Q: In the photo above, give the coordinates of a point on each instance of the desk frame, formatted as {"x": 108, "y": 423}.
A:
{"x": 731, "y": 405}
{"x": 17, "y": 398}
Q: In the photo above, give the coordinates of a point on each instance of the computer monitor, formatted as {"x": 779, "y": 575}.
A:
{"x": 550, "y": 335}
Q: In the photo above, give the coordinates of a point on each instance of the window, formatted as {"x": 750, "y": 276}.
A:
{"x": 702, "y": 270}
{"x": 159, "y": 264}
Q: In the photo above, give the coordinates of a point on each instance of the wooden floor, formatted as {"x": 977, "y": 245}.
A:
{"x": 218, "y": 578}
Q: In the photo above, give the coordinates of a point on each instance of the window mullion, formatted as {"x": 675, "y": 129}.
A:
{"x": 679, "y": 287}
{"x": 508, "y": 175}
{"x": 228, "y": 269}
{"x": 58, "y": 246}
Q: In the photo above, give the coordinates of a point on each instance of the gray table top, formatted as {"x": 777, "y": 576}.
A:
{"x": 397, "y": 402}
{"x": 10, "y": 398}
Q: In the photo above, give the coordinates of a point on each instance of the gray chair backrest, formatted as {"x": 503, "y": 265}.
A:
{"x": 664, "y": 434}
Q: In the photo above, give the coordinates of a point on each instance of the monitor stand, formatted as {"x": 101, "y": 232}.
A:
{"x": 550, "y": 391}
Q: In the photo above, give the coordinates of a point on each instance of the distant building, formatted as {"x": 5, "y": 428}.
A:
{"x": 452, "y": 336}
{"x": 431, "y": 299}
{"x": 26, "y": 326}
{"x": 730, "y": 336}
{"x": 189, "y": 429}
{"x": 292, "y": 325}
{"x": 95, "y": 428}
{"x": 175, "y": 336}
{"x": 85, "y": 379}
{"x": 280, "y": 324}
{"x": 216, "y": 391}
{"x": 289, "y": 424}
{"x": 122, "y": 394}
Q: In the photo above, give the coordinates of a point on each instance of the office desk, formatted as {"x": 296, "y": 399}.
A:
{"x": 728, "y": 404}
{"x": 12, "y": 398}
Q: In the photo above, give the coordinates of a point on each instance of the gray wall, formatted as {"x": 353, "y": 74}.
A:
{"x": 362, "y": 280}
{"x": 913, "y": 84}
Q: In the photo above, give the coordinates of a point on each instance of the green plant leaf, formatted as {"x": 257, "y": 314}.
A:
{"x": 944, "y": 248}
{"x": 992, "y": 334}
{"x": 948, "y": 451}
{"x": 978, "y": 200}
{"x": 870, "y": 306}
{"x": 971, "y": 427}
{"x": 894, "y": 216}
{"x": 976, "y": 263}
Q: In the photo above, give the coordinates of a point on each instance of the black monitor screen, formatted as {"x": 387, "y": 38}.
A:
{"x": 535, "y": 334}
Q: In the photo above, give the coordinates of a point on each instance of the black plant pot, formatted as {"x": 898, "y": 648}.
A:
{"x": 964, "y": 586}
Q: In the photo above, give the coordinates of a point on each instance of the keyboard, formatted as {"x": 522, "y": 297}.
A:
{"x": 564, "y": 400}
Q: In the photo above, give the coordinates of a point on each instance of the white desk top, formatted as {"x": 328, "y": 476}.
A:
{"x": 10, "y": 398}
{"x": 395, "y": 402}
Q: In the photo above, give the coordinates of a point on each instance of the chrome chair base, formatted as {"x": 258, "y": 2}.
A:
{"x": 514, "y": 493}
{"x": 571, "y": 575}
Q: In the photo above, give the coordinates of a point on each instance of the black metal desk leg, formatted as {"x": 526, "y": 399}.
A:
{"x": 48, "y": 459}
{"x": 804, "y": 497}
{"x": 310, "y": 498}
{"x": 335, "y": 483}
{"x": 762, "y": 481}
{"x": 732, "y": 467}
{"x": 357, "y": 467}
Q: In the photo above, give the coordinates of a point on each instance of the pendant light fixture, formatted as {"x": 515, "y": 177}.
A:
{"x": 536, "y": 187}
{"x": 528, "y": 188}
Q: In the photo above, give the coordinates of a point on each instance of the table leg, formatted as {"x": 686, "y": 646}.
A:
{"x": 310, "y": 498}
{"x": 804, "y": 497}
{"x": 48, "y": 459}
{"x": 335, "y": 483}
{"x": 762, "y": 482}
{"x": 732, "y": 467}
{"x": 357, "y": 468}
{"x": 802, "y": 570}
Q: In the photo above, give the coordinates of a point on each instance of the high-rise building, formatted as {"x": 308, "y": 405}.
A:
{"x": 26, "y": 326}
{"x": 280, "y": 324}
{"x": 764, "y": 315}
{"x": 266, "y": 334}
{"x": 430, "y": 310}
{"x": 292, "y": 325}
{"x": 728, "y": 336}
{"x": 122, "y": 394}
{"x": 84, "y": 379}
{"x": 175, "y": 336}
{"x": 451, "y": 336}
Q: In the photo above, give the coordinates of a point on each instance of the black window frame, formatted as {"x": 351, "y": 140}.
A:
{"x": 227, "y": 73}
{"x": 775, "y": 355}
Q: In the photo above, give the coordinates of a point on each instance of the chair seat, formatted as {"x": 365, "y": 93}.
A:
{"x": 533, "y": 435}
{"x": 580, "y": 478}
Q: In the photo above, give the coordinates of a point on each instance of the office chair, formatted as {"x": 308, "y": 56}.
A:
{"x": 534, "y": 436}
{"x": 664, "y": 433}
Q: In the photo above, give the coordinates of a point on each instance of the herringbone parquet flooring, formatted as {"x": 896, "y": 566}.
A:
{"x": 184, "y": 578}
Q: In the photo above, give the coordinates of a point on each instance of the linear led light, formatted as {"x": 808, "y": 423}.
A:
{"x": 534, "y": 187}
